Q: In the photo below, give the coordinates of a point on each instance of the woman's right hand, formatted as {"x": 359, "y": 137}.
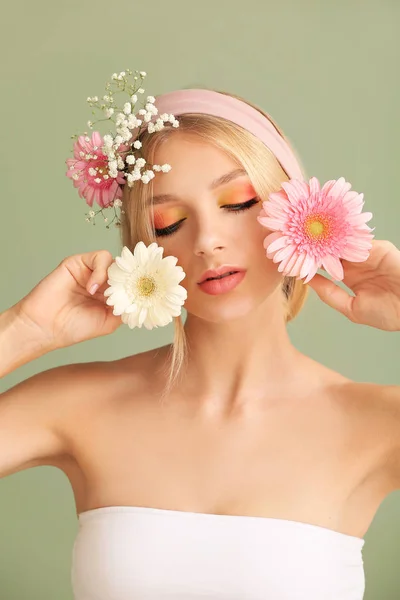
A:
{"x": 62, "y": 311}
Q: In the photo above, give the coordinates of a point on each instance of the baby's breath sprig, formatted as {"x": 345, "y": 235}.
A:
{"x": 102, "y": 165}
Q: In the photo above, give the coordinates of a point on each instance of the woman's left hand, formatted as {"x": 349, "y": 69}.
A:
{"x": 376, "y": 285}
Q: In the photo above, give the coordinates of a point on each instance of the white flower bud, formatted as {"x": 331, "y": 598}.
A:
{"x": 140, "y": 91}
{"x": 117, "y": 203}
{"x": 127, "y": 108}
{"x": 130, "y": 159}
{"x": 140, "y": 163}
{"x": 151, "y": 99}
{"x": 134, "y": 98}
{"x": 137, "y": 144}
{"x": 166, "y": 168}
{"x": 151, "y": 108}
{"x": 142, "y": 73}
{"x": 145, "y": 179}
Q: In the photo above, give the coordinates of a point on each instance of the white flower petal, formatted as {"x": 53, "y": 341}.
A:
{"x": 141, "y": 254}
{"x": 132, "y": 308}
{"x": 123, "y": 264}
{"x": 142, "y": 315}
{"x": 115, "y": 273}
{"x": 127, "y": 255}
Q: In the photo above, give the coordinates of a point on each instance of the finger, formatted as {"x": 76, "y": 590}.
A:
{"x": 98, "y": 262}
{"x": 333, "y": 295}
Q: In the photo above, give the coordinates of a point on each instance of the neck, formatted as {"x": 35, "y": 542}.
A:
{"x": 235, "y": 364}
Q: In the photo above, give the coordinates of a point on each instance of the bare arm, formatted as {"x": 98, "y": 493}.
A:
{"x": 20, "y": 343}
{"x": 34, "y": 413}
{"x": 37, "y": 415}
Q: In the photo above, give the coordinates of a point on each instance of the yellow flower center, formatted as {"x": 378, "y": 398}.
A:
{"x": 146, "y": 285}
{"x": 316, "y": 227}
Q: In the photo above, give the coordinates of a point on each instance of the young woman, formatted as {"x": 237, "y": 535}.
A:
{"x": 260, "y": 471}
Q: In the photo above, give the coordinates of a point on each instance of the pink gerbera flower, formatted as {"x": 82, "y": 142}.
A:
{"x": 315, "y": 227}
{"x": 89, "y": 172}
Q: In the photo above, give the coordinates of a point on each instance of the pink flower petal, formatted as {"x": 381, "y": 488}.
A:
{"x": 298, "y": 265}
{"x": 312, "y": 271}
{"x": 97, "y": 139}
{"x": 292, "y": 192}
{"x": 283, "y": 253}
{"x": 359, "y": 219}
{"x": 288, "y": 261}
{"x": 280, "y": 242}
{"x": 309, "y": 267}
{"x": 333, "y": 266}
{"x": 314, "y": 186}
{"x": 271, "y": 238}
{"x": 89, "y": 195}
{"x": 275, "y": 224}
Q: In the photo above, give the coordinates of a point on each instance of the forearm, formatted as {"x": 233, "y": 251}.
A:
{"x": 19, "y": 343}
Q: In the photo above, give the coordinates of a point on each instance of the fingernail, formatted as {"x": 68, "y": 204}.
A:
{"x": 93, "y": 288}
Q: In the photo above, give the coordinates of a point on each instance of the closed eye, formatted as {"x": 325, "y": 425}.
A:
{"x": 235, "y": 208}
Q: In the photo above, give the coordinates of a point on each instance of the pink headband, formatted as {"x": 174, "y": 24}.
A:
{"x": 220, "y": 105}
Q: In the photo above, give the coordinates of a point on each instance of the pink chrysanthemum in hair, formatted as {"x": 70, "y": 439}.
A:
{"x": 90, "y": 174}
{"x": 315, "y": 227}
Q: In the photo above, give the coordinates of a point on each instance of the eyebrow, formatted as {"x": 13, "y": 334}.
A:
{"x": 222, "y": 180}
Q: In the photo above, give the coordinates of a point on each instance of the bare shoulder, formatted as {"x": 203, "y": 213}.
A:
{"x": 95, "y": 388}
{"x": 372, "y": 412}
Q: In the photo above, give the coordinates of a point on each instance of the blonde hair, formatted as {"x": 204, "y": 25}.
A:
{"x": 265, "y": 173}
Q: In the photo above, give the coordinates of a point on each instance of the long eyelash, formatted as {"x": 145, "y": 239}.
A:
{"x": 234, "y": 208}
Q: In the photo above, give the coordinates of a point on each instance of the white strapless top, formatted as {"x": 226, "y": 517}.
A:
{"x": 137, "y": 553}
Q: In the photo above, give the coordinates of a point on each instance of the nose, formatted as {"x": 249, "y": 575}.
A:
{"x": 209, "y": 238}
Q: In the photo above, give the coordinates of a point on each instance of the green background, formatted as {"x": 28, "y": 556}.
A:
{"x": 326, "y": 71}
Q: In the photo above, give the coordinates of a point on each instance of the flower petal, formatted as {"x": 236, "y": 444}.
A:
{"x": 333, "y": 266}
{"x": 280, "y": 242}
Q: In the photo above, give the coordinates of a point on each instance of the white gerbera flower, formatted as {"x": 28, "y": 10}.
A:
{"x": 144, "y": 287}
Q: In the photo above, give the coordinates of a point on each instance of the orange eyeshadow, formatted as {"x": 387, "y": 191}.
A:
{"x": 237, "y": 194}
{"x": 163, "y": 217}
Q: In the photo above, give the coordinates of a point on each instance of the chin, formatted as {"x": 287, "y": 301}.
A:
{"x": 226, "y": 307}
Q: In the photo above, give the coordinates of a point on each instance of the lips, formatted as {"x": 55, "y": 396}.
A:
{"x": 221, "y": 276}
{"x": 220, "y": 272}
